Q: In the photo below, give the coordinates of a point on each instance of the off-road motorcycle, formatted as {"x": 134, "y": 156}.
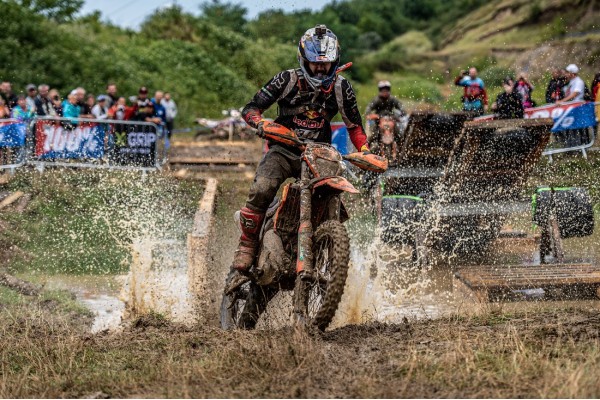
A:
{"x": 387, "y": 134}
{"x": 232, "y": 124}
{"x": 304, "y": 245}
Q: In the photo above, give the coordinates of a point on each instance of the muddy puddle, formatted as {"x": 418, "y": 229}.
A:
{"x": 99, "y": 294}
{"x": 157, "y": 282}
{"x": 383, "y": 284}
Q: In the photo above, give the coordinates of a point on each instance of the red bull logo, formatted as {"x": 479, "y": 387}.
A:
{"x": 312, "y": 114}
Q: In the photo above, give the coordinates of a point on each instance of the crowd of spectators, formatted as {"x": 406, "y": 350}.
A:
{"x": 43, "y": 101}
{"x": 565, "y": 85}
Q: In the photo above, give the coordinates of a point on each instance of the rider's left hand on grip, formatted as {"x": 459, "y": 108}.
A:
{"x": 259, "y": 129}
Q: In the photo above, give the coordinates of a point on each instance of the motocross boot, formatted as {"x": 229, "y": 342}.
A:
{"x": 250, "y": 225}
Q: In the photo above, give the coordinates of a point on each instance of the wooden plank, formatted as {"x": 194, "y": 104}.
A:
{"x": 520, "y": 277}
{"x": 11, "y": 199}
{"x": 211, "y": 160}
{"x": 508, "y": 123}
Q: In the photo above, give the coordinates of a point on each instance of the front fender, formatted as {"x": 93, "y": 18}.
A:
{"x": 336, "y": 183}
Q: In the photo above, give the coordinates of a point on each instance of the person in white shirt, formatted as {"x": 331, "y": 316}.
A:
{"x": 30, "y": 99}
{"x": 100, "y": 110}
{"x": 575, "y": 89}
{"x": 171, "y": 108}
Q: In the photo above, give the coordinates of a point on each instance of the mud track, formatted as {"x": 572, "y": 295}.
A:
{"x": 546, "y": 353}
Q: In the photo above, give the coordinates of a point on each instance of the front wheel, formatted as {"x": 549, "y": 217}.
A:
{"x": 318, "y": 299}
{"x": 242, "y": 308}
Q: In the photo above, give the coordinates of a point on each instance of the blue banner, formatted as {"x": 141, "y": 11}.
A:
{"x": 339, "y": 138}
{"x": 56, "y": 141}
{"x": 580, "y": 117}
{"x": 12, "y": 133}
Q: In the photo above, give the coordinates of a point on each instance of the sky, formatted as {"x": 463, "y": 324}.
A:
{"x": 131, "y": 13}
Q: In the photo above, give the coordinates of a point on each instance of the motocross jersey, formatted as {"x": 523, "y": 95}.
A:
{"x": 305, "y": 110}
{"x": 380, "y": 106}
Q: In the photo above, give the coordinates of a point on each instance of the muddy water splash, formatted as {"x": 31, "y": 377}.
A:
{"x": 384, "y": 286}
{"x": 158, "y": 281}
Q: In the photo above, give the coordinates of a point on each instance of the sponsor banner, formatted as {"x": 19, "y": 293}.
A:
{"x": 339, "y": 137}
{"x": 55, "y": 140}
{"x": 12, "y": 133}
{"x": 134, "y": 145}
{"x": 573, "y": 115}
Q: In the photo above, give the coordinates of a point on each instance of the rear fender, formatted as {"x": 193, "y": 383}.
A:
{"x": 335, "y": 183}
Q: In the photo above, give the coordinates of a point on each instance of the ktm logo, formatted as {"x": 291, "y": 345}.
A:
{"x": 312, "y": 114}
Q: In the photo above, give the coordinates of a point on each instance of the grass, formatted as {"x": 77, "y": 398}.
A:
{"x": 82, "y": 222}
{"x": 551, "y": 351}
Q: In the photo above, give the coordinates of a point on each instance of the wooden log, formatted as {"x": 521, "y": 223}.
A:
{"x": 21, "y": 286}
{"x": 11, "y": 199}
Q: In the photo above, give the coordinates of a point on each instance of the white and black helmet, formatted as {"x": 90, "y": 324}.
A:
{"x": 319, "y": 45}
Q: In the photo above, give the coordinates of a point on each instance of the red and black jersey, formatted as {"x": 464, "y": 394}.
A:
{"x": 308, "y": 111}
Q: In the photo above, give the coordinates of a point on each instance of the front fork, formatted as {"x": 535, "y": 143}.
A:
{"x": 304, "y": 262}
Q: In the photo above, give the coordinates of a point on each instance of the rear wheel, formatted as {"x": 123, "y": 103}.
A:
{"x": 319, "y": 298}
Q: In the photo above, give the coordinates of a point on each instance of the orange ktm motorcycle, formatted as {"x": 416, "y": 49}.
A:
{"x": 304, "y": 245}
{"x": 385, "y": 139}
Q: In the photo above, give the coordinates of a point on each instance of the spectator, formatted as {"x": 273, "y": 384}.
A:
{"x": 171, "y": 109}
{"x": 111, "y": 92}
{"x": 575, "y": 91}
{"x": 43, "y": 102}
{"x": 144, "y": 109}
{"x": 9, "y": 97}
{"x": 120, "y": 111}
{"x": 595, "y": 87}
{"x": 100, "y": 110}
{"x": 596, "y": 96}
{"x": 159, "y": 110}
{"x": 4, "y": 111}
{"x": 524, "y": 88}
{"x": 90, "y": 102}
{"x": 554, "y": 91}
{"x": 85, "y": 110}
{"x": 474, "y": 97}
{"x": 71, "y": 107}
{"x": 31, "y": 94}
{"x": 56, "y": 102}
{"x": 21, "y": 112}
{"x": 508, "y": 105}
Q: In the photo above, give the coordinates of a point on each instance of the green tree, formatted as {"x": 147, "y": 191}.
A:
{"x": 58, "y": 10}
{"x": 229, "y": 15}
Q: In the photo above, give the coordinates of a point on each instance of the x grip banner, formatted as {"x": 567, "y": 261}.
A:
{"x": 12, "y": 133}
{"x": 56, "y": 140}
{"x": 134, "y": 144}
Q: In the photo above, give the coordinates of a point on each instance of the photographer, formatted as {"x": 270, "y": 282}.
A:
{"x": 120, "y": 111}
{"x": 508, "y": 105}
{"x": 474, "y": 97}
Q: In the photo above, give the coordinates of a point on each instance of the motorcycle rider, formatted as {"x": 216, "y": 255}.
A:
{"x": 385, "y": 103}
{"x": 308, "y": 98}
